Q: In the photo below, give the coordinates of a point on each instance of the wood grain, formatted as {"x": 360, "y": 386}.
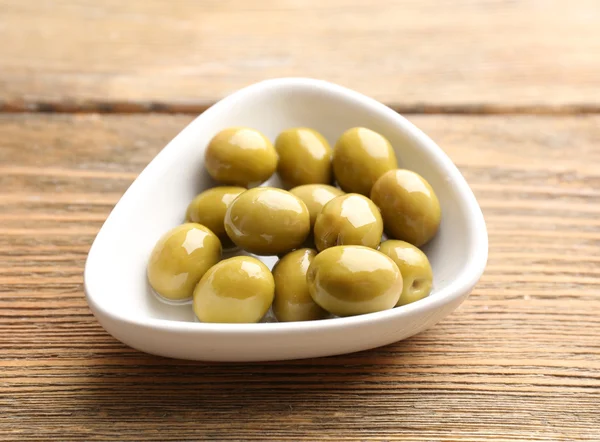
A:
{"x": 420, "y": 56}
{"x": 520, "y": 360}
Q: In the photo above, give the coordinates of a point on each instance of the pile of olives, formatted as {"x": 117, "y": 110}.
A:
{"x": 332, "y": 261}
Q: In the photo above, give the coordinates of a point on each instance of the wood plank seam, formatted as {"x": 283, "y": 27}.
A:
{"x": 156, "y": 107}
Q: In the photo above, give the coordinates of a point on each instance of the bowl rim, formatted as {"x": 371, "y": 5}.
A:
{"x": 464, "y": 283}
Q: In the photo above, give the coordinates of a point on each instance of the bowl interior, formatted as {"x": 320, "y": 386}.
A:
{"x": 157, "y": 200}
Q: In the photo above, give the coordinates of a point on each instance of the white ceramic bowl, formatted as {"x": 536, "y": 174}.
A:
{"x": 115, "y": 274}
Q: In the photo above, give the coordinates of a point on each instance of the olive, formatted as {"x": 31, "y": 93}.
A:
{"x": 349, "y": 219}
{"x": 409, "y": 207}
{"x": 315, "y": 196}
{"x": 240, "y": 156}
{"x": 414, "y": 266}
{"x": 209, "y": 207}
{"x": 360, "y": 157}
{"x": 304, "y": 157}
{"x": 353, "y": 280}
{"x": 292, "y": 299}
{"x": 180, "y": 258}
{"x": 238, "y": 289}
{"x": 267, "y": 221}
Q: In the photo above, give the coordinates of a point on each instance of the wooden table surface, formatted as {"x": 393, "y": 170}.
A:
{"x": 91, "y": 91}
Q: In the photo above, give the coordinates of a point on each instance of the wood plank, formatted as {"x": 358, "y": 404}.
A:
{"x": 520, "y": 360}
{"x": 429, "y": 56}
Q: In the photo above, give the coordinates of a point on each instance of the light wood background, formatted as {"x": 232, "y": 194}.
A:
{"x": 91, "y": 91}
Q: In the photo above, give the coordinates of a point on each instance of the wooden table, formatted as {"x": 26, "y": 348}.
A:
{"x": 91, "y": 91}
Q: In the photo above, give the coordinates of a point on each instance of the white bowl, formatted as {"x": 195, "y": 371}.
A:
{"x": 115, "y": 273}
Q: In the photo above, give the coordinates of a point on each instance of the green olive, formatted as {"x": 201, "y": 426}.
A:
{"x": 409, "y": 206}
{"x": 360, "y": 157}
{"x": 241, "y": 157}
{"x": 267, "y": 221}
{"x": 238, "y": 289}
{"x": 353, "y": 280}
{"x": 414, "y": 267}
{"x": 304, "y": 157}
{"x": 209, "y": 207}
{"x": 180, "y": 258}
{"x": 292, "y": 299}
{"x": 350, "y": 219}
{"x": 315, "y": 196}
